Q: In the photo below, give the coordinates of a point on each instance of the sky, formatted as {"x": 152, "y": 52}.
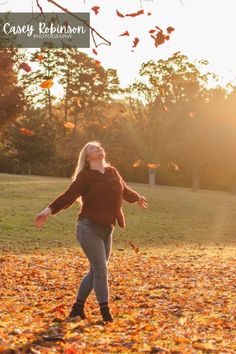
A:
{"x": 204, "y": 29}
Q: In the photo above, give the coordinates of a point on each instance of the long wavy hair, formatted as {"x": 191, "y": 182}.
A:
{"x": 84, "y": 163}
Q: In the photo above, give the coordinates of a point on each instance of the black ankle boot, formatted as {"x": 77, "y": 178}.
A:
{"x": 105, "y": 312}
{"x": 78, "y": 310}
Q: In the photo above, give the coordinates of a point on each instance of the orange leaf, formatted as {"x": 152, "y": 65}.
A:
{"x": 95, "y": 52}
{"x": 159, "y": 28}
{"x": 40, "y": 57}
{"x": 175, "y": 166}
{"x": 162, "y": 91}
{"x": 26, "y": 131}
{"x": 119, "y": 14}
{"x": 165, "y": 109}
{"x": 78, "y": 102}
{"x": 152, "y": 165}
{"x": 135, "y": 42}
{"x": 46, "y": 84}
{"x": 97, "y": 62}
{"x": 96, "y": 9}
{"x": 159, "y": 39}
{"x": 137, "y": 163}
{"x": 69, "y": 125}
{"x": 71, "y": 350}
{"x": 126, "y": 33}
{"x": 152, "y": 31}
{"x": 134, "y": 14}
{"x": 170, "y": 29}
{"x": 136, "y": 248}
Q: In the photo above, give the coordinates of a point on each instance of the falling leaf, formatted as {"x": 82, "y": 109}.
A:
{"x": 25, "y": 67}
{"x": 126, "y": 33}
{"x": 39, "y": 57}
{"x": 46, "y": 84}
{"x": 152, "y": 165}
{"x": 159, "y": 28}
{"x": 119, "y": 14}
{"x": 149, "y": 13}
{"x": 96, "y": 9}
{"x": 162, "y": 92}
{"x": 95, "y": 52}
{"x": 152, "y": 31}
{"x": 78, "y": 103}
{"x": 69, "y": 125}
{"x": 170, "y": 29}
{"x": 134, "y": 14}
{"x": 137, "y": 163}
{"x": 26, "y": 131}
{"x": 135, "y": 42}
{"x": 174, "y": 166}
{"x": 159, "y": 39}
{"x": 165, "y": 109}
{"x": 97, "y": 63}
{"x": 136, "y": 248}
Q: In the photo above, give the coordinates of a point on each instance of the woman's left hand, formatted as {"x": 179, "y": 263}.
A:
{"x": 142, "y": 202}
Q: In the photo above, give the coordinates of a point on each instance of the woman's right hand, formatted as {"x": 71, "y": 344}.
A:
{"x": 41, "y": 217}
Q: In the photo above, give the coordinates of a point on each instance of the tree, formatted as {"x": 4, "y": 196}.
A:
{"x": 12, "y": 98}
{"x": 174, "y": 94}
{"x": 33, "y": 138}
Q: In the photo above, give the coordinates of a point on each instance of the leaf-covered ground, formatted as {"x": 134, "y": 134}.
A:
{"x": 167, "y": 300}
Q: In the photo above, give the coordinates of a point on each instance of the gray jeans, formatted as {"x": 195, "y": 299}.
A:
{"x": 96, "y": 242}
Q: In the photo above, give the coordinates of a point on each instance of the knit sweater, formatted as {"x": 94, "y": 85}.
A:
{"x": 102, "y": 196}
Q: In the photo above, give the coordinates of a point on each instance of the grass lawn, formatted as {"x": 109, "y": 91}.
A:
{"x": 175, "y": 295}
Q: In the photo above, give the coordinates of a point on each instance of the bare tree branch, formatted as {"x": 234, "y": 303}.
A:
{"x": 93, "y": 30}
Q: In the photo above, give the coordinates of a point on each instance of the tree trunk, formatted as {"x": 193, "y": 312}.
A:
{"x": 67, "y": 95}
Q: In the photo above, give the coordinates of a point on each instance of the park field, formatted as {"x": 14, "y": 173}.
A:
{"x": 172, "y": 273}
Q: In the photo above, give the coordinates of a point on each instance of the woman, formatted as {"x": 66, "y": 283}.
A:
{"x": 98, "y": 186}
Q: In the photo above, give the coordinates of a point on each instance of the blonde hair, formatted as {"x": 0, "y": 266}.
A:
{"x": 84, "y": 163}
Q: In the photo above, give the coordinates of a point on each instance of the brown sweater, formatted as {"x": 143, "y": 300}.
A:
{"x": 102, "y": 196}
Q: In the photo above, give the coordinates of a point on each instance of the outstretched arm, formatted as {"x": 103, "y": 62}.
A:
{"x": 66, "y": 199}
{"x": 63, "y": 201}
{"x": 131, "y": 196}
